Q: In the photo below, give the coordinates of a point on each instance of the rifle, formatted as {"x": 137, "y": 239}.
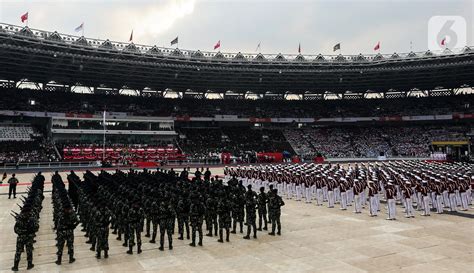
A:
{"x": 14, "y": 214}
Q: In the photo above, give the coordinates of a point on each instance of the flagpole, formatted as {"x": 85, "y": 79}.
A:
{"x": 103, "y": 146}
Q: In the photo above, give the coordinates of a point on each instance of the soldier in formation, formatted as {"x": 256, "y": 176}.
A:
{"x": 27, "y": 222}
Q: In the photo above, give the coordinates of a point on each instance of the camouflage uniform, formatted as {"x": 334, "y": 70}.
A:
{"x": 223, "y": 210}
{"x": 238, "y": 212}
{"x": 250, "y": 209}
{"x": 103, "y": 233}
{"x": 135, "y": 222}
{"x": 66, "y": 224}
{"x": 25, "y": 227}
{"x": 182, "y": 213}
{"x": 167, "y": 218}
{"x": 275, "y": 204}
{"x": 197, "y": 211}
{"x": 262, "y": 210}
{"x": 211, "y": 215}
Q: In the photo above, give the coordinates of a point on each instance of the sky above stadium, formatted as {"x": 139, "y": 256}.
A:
{"x": 240, "y": 25}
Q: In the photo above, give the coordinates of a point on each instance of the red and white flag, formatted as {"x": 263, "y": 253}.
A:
{"x": 24, "y": 17}
{"x": 131, "y": 36}
{"x": 443, "y": 42}
{"x": 218, "y": 45}
{"x": 377, "y": 46}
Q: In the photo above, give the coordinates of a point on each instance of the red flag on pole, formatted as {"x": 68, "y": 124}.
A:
{"x": 131, "y": 36}
{"x": 217, "y": 45}
{"x": 443, "y": 42}
{"x": 24, "y": 17}
{"x": 299, "y": 48}
{"x": 377, "y": 46}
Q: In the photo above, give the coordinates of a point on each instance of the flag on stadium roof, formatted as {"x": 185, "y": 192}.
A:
{"x": 337, "y": 47}
{"x": 299, "y": 48}
{"x": 131, "y": 36}
{"x": 258, "y": 47}
{"x": 377, "y": 46}
{"x": 174, "y": 41}
{"x": 218, "y": 45}
{"x": 24, "y": 17}
{"x": 443, "y": 42}
{"x": 79, "y": 28}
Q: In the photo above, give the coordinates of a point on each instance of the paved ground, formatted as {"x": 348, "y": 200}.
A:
{"x": 314, "y": 239}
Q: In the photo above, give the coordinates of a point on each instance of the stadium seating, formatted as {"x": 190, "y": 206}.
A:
{"x": 15, "y": 133}
{"x": 366, "y": 142}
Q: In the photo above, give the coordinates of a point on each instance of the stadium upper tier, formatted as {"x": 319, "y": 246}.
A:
{"x": 43, "y": 56}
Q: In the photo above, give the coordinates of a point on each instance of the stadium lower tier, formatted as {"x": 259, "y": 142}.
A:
{"x": 252, "y": 144}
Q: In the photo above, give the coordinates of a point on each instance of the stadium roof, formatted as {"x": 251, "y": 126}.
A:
{"x": 43, "y": 56}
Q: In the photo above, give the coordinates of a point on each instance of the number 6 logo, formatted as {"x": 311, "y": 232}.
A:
{"x": 446, "y": 32}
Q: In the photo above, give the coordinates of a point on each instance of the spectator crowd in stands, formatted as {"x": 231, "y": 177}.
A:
{"x": 369, "y": 142}
{"x": 241, "y": 142}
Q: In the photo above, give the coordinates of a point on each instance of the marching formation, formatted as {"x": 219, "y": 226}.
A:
{"x": 425, "y": 186}
{"x": 64, "y": 218}
{"x": 155, "y": 202}
{"x": 27, "y": 222}
{"x": 135, "y": 202}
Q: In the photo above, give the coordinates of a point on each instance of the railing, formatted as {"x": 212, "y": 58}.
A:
{"x": 49, "y": 165}
{"x": 183, "y": 163}
{"x": 227, "y": 56}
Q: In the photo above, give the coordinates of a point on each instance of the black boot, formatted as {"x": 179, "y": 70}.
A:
{"x": 220, "y": 237}
{"x": 30, "y": 265}
{"x": 130, "y": 251}
{"x": 58, "y": 261}
{"x": 139, "y": 249}
{"x": 71, "y": 259}
{"x": 200, "y": 242}
{"x": 161, "y": 247}
{"x": 15, "y": 265}
{"x": 193, "y": 243}
{"x": 106, "y": 254}
{"x": 247, "y": 237}
{"x": 97, "y": 255}
{"x": 227, "y": 237}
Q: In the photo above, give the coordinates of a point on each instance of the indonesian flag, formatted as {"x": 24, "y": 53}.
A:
{"x": 131, "y": 36}
{"x": 299, "y": 48}
{"x": 218, "y": 45}
{"x": 443, "y": 42}
{"x": 24, "y": 17}
{"x": 377, "y": 46}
